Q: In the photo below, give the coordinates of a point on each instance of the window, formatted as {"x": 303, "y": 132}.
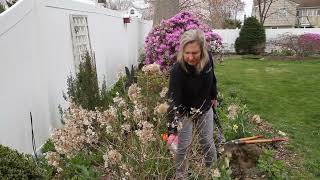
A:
{"x": 304, "y": 12}
{"x": 80, "y": 38}
{"x": 318, "y": 12}
{"x": 132, "y": 11}
{"x": 311, "y": 12}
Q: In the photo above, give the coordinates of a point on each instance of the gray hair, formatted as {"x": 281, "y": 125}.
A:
{"x": 192, "y": 36}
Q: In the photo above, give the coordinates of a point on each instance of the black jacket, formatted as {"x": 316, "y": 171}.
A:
{"x": 192, "y": 90}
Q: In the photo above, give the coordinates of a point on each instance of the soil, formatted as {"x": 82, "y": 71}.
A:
{"x": 244, "y": 157}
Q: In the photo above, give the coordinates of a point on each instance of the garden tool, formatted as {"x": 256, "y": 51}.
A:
{"x": 171, "y": 141}
{"x": 254, "y": 140}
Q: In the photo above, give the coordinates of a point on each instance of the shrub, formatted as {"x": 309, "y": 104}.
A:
{"x": 299, "y": 45}
{"x": 128, "y": 135}
{"x": 310, "y": 42}
{"x": 2, "y": 8}
{"x": 162, "y": 42}
{"x": 48, "y": 146}
{"x": 252, "y": 37}
{"x": 83, "y": 89}
{"x": 14, "y": 165}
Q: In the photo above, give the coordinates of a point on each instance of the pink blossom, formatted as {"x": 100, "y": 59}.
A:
{"x": 162, "y": 43}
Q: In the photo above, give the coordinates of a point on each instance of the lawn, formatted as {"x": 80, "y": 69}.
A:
{"x": 286, "y": 94}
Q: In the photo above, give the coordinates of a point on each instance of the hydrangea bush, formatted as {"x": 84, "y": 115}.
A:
{"x": 162, "y": 43}
{"x": 125, "y": 141}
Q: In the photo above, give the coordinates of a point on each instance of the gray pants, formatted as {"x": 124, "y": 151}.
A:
{"x": 204, "y": 126}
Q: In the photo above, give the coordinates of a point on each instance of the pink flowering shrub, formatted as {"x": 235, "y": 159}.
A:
{"x": 298, "y": 45}
{"x": 310, "y": 42}
{"x": 162, "y": 43}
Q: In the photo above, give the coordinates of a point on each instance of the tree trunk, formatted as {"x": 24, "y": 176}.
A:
{"x": 164, "y": 9}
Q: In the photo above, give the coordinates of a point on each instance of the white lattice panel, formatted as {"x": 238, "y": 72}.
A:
{"x": 80, "y": 37}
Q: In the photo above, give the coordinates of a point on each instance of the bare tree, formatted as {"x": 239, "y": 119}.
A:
{"x": 164, "y": 9}
{"x": 213, "y": 12}
{"x": 220, "y": 10}
{"x": 116, "y": 4}
{"x": 263, "y": 9}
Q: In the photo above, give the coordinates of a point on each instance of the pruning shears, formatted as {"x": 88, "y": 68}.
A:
{"x": 254, "y": 140}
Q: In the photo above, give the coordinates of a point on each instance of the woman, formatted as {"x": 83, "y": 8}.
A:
{"x": 193, "y": 91}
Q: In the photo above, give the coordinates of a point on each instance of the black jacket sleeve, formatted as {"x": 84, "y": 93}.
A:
{"x": 175, "y": 88}
{"x": 214, "y": 91}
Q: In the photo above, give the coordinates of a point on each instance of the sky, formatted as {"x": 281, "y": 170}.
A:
{"x": 248, "y": 7}
{"x": 140, "y": 3}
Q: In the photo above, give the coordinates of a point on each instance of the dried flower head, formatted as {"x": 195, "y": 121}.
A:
{"x": 163, "y": 92}
{"x": 77, "y": 132}
{"x": 256, "y": 119}
{"x": 53, "y": 159}
{"x": 125, "y": 128}
{"x": 233, "y": 111}
{"x": 151, "y": 69}
{"x": 119, "y": 101}
{"x": 282, "y": 133}
{"x": 216, "y": 173}
{"x": 113, "y": 157}
{"x": 145, "y": 134}
{"x": 195, "y": 111}
{"x": 162, "y": 108}
{"x": 134, "y": 92}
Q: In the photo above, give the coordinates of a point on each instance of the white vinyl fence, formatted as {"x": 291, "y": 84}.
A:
{"x": 229, "y": 36}
{"x": 37, "y": 53}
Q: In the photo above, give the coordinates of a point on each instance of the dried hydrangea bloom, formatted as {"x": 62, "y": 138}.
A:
{"x": 146, "y": 134}
{"x": 233, "y": 111}
{"x": 120, "y": 102}
{"x": 108, "y": 117}
{"x": 162, "y": 108}
{"x": 163, "y": 92}
{"x": 151, "y": 69}
{"x": 138, "y": 112}
{"x": 126, "y": 114}
{"x": 53, "y": 159}
{"x": 195, "y": 111}
{"x": 125, "y": 128}
{"x": 216, "y": 173}
{"x": 256, "y": 119}
{"x": 134, "y": 92}
{"x": 113, "y": 157}
{"x": 77, "y": 132}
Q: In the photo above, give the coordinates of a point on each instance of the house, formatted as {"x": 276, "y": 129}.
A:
{"x": 308, "y": 13}
{"x": 133, "y": 12}
{"x": 291, "y": 13}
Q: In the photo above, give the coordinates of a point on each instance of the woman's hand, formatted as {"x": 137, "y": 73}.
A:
{"x": 214, "y": 103}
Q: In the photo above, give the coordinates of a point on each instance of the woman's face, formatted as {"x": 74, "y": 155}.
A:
{"x": 192, "y": 53}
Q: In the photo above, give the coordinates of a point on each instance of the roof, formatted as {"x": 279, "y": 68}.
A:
{"x": 308, "y": 3}
{"x": 302, "y": 3}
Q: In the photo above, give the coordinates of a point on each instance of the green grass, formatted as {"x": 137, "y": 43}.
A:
{"x": 286, "y": 94}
